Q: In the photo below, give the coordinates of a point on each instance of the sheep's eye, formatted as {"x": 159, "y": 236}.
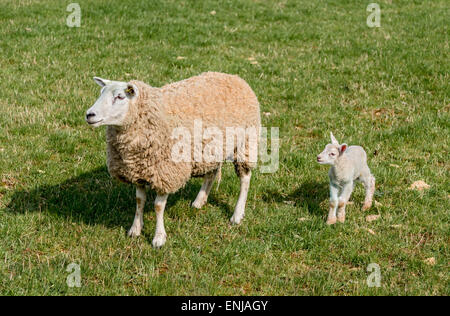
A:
{"x": 332, "y": 154}
{"x": 118, "y": 97}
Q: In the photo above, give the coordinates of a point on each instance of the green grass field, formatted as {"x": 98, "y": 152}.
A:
{"x": 315, "y": 66}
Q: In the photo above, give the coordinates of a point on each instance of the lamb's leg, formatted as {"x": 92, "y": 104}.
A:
{"x": 138, "y": 223}
{"x": 202, "y": 195}
{"x": 343, "y": 199}
{"x": 239, "y": 210}
{"x": 160, "y": 233}
{"x": 369, "y": 186}
{"x": 334, "y": 191}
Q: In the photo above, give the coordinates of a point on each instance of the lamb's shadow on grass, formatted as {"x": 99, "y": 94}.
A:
{"x": 94, "y": 198}
{"x": 311, "y": 195}
{"x": 308, "y": 195}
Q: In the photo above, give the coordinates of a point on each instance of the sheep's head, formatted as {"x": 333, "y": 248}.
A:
{"x": 331, "y": 152}
{"x": 111, "y": 108}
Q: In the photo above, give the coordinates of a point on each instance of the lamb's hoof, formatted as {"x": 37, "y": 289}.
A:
{"x": 366, "y": 207}
{"x": 159, "y": 240}
{"x": 341, "y": 219}
{"x": 134, "y": 231}
{"x": 331, "y": 220}
{"x": 236, "y": 219}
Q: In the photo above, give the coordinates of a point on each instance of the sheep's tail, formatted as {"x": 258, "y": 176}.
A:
{"x": 219, "y": 176}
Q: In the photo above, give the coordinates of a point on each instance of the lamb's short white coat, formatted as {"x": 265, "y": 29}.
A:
{"x": 348, "y": 164}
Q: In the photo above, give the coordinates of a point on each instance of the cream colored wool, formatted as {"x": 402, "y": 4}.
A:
{"x": 139, "y": 151}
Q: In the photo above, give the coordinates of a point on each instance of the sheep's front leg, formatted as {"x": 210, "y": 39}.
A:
{"x": 343, "y": 199}
{"x": 138, "y": 223}
{"x": 334, "y": 191}
{"x": 239, "y": 210}
{"x": 160, "y": 234}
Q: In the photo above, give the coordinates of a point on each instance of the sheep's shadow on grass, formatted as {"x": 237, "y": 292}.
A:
{"x": 94, "y": 198}
{"x": 309, "y": 195}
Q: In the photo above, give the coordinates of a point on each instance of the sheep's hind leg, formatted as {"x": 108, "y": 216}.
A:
{"x": 138, "y": 223}
{"x": 160, "y": 234}
{"x": 369, "y": 186}
{"x": 239, "y": 210}
{"x": 202, "y": 195}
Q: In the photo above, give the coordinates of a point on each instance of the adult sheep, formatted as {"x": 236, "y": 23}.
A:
{"x": 141, "y": 121}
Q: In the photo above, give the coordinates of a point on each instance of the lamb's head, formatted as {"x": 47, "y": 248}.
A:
{"x": 332, "y": 152}
{"x": 112, "y": 107}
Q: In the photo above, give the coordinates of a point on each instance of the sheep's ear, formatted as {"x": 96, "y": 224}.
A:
{"x": 131, "y": 90}
{"x": 101, "y": 82}
{"x": 342, "y": 148}
{"x": 333, "y": 139}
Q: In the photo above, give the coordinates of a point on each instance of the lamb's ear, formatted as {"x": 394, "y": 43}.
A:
{"x": 342, "y": 148}
{"x": 101, "y": 82}
{"x": 132, "y": 90}
{"x": 333, "y": 139}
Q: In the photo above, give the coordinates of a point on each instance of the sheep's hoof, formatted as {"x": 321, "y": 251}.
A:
{"x": 159, "y": 240}
{"x": 341, "y": 219}
{"x": 236, "y": 219}
{"x": 366, "y": 206}
{"x": 134, "y": 231}
{"x": 198, "y": 204}
{"x": 331, "y": 220}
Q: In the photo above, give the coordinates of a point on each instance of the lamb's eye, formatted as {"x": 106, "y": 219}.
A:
{"x": 332, "y": 154}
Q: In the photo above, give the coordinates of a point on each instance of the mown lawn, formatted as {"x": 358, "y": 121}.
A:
{"x": 315, "y": 66}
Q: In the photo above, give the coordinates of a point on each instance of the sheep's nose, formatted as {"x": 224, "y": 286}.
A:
{"x": 89, "y": 115}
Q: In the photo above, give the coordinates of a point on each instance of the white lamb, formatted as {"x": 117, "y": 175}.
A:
{"x": 348, "y": 164}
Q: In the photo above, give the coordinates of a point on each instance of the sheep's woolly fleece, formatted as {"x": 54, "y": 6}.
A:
{"x": 139, "y": 152}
